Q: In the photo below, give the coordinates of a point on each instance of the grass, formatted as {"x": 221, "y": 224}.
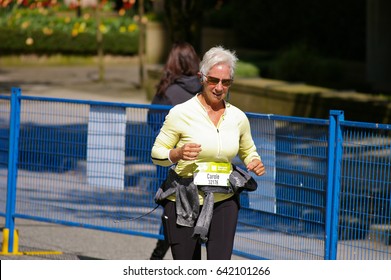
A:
{"x": 62, "y": 60}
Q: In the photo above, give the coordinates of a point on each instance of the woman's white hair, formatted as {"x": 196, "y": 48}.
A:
{"x": 218, "y": 55}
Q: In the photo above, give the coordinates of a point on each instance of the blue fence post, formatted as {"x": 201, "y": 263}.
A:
{"x": 12, "y": 167}
{"x": 333, "y": 183}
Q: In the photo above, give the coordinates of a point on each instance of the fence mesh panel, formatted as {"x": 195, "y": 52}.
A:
{"x": 4, "y": 140}
{"x": 88, "y": 164}
{"x": 365, "y": 225}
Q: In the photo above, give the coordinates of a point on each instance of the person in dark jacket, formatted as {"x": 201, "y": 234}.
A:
{"x": 179, "y": 83}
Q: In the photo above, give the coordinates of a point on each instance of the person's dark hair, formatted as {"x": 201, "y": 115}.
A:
{"x": 182, "y": 61}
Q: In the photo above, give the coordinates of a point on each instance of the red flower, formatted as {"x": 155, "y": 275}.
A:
{"x": 128, "y": 4}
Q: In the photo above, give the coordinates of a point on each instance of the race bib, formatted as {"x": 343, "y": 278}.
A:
{"x": 212, "y": 174}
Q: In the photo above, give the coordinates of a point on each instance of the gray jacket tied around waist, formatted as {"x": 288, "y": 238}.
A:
{"x": 187, "y": 200}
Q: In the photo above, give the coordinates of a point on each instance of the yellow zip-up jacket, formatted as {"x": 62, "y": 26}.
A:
{"x": 189, "y": 123}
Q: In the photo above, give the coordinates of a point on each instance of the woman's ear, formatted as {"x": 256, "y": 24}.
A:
{"x": 200, "y": 77}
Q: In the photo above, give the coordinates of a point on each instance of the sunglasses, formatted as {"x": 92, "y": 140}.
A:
{"x": 214, "y": 81}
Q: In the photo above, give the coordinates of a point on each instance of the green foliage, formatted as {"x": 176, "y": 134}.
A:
{"x": 259, "y": 59}
{"x": 246, "y": 70}
{"x": 333, "y": 27}
{"x": 220, "y": 15}
{"x": 300, "y": 63}
{"x": 44, "y": 31}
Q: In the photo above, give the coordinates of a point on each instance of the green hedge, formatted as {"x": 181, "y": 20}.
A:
{"x": 246, "y": 70}
{"x": 45, "y": 32}
{"x": 13, "y": 41}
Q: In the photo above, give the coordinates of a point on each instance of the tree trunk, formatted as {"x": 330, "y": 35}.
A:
{"x": 184, "y": 21}
{"x": 99, "y": 43}
{"x": 141, "y": 42}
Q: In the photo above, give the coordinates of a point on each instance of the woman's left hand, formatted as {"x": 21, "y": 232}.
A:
{"x": 257, "y": 167}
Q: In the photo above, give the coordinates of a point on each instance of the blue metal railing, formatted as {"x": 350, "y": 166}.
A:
{"x": 326, "y": 194}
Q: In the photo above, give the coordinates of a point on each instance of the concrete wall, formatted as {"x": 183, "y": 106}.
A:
{"x": 157, "y": 43}
{"x": 301, "y": 100}
{"x": 267, "y": 96}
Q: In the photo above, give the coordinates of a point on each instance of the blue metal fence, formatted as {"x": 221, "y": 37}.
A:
{"x": 365, "y": 194}
{"x": 326, "y": 194}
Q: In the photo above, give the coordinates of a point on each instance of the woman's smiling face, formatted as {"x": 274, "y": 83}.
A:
{"x": 215, "y": 93}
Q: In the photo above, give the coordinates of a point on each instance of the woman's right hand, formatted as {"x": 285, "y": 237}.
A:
{"x": 189, "y": 151}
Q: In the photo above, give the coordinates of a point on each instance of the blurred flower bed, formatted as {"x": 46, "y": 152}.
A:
{"x": 50, "y": 27}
